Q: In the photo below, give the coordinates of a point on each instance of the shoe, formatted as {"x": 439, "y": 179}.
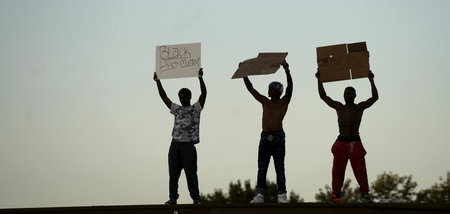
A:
{"x": 282, "y": 198}
{"x": 171, "y": 202}
{"x": 365, "y": 198}
{"x": 335, "y": 199}
{"x": 258, "y": 199}
{"x": 197, "y": 202}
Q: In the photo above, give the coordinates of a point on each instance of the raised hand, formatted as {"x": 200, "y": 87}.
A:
{"x": 285, "y": 65}
{"x": 371, "y": 76}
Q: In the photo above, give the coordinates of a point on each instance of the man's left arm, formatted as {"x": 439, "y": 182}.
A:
{"x": 289, "y": 87}
{"x": 374, "y": 98}
{"x": 202, "y": 97}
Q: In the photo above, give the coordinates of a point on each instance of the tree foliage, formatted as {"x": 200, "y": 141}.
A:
{"x": 439, "y": 192}
{"x": 238, "y": 193}
{"x": 389, "y": 185}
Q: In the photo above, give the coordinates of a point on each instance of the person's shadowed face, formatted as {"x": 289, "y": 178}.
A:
{"x": 273, "y": 92}
{"x": 349, "y": 95}
{"x": 185, "y": 97}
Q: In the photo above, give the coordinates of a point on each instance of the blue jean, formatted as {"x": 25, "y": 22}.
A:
{"x": 272, "y": 144}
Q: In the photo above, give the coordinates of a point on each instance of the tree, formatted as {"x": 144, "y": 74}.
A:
{"x": 392, "y": 186}
{"x": 216, "y": 197}
{"x": 295, "y": 198}
{"x": 237, "y": 194}
{"x": 439, "y": 192}
{"x": 243, "y": 194}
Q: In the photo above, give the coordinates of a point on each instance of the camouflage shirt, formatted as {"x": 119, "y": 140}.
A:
{"x": 187, "y": 121}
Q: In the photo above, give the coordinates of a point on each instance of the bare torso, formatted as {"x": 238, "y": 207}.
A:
{"x": 273, "y": 114}
{"x": 349, "y": 119}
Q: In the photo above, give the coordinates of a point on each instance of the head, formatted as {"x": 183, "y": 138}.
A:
{"x": 275, "y": 89}
{"x": 185, "y": 96}
{"x": 349, "y": 94}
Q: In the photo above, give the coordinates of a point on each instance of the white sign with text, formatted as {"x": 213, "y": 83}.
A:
{"x": 177, "y": 61}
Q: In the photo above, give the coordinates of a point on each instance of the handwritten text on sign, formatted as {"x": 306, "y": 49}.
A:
{"x": 176, "y": 61}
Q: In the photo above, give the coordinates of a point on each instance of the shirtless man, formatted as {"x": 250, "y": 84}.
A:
{"x": 348, "y": 144}
{"x": 272, "y": 136}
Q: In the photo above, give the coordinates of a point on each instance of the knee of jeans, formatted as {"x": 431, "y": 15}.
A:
{"x": 262, "y": 169}
{"x": 279, "y": 170}
{"x": 279, "y": 164}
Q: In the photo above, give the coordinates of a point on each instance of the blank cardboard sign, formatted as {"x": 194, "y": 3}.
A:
{"x": 265, "y": 63}
{"x": 343, "y": 62}
{"x": 359, "y": 60}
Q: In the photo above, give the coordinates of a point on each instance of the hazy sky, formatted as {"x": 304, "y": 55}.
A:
{"x": 81, "y": 122}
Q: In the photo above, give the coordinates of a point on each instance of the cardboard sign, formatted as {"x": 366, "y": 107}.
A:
{"x": 343, "y": 62}
{"x": 177, "y": 61}
{"x": 265, "y": 63}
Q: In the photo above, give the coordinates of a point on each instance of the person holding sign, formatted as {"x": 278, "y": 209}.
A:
{"x": 272, "y": 141}
{"x": 348, "y": 144}
{"x": 185, "y": 134}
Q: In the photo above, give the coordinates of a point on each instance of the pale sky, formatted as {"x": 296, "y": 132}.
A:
{"x": 81, "y": 122}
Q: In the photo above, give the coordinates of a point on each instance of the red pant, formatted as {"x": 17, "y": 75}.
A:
{"x": 342, "y": 151}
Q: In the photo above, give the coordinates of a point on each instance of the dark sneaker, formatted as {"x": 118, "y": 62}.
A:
{"x": 365, "y": 198}
{"x": 197, "y": 202}
{"x": 334, "y": 199}
{"x": 171, "y": 202}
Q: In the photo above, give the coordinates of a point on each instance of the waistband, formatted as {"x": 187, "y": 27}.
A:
{"x": 272, "y": 135}
{"x": 348, "y": 138}
{"x": 279, "y": 133}
{"x": 191, "y": 142}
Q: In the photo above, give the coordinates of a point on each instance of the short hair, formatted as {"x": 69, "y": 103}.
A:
{"x": 277, "y": 85}
{"x": 185, "y": 91}
{"x": 351, "y": 88}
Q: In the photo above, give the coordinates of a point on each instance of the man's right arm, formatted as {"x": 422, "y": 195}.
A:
{"x": 252, "y": 91}
{"x": 323, "y": 95}
{"x": 162, "y": 93}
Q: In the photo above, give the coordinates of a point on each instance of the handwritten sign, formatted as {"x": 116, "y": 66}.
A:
{"x": 343, "y": 62}
{"x": 265, "y": 63}
{"x": 177, "y": 61}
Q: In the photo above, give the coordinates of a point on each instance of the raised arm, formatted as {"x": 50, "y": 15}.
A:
{"x": 323, "y": 95}
{"x": 161, "y": 91}
{"x": 202, "y": 97}
{"x": 374, "y": 98}
{"x": 252, "y": 91}
{"x": 289, "y": 87}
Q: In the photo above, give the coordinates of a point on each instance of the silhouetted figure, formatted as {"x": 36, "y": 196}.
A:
{"x": 348, "y": 144}
{"x": 185, "y": 134}
{"x": 272, "y": 143}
